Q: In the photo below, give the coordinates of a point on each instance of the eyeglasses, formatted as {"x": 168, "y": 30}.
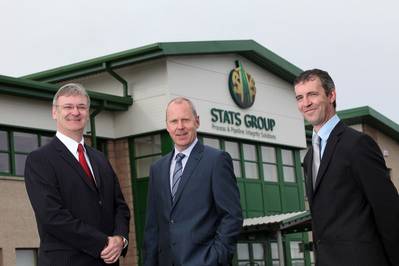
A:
{"x": 71, "y": 107}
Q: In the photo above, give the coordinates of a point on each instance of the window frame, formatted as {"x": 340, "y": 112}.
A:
{"x": 12, "y": 152}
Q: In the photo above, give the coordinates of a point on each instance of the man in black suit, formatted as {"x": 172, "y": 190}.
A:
{"x": 354, "y": 205}
{"x": 193, "y": 212}
{"x": 81, "y": 215}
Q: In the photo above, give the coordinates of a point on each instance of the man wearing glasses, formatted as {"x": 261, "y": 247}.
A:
{"x": 80, "y": 211}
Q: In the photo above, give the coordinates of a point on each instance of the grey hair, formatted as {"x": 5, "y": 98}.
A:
{"x": 71, "y": 89}
{"x": 181, "y": 100}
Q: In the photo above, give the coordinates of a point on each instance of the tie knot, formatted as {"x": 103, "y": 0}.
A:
{"x": 316, "y": 139}
{"x": 80, "y": 148}
{"x": 180, "y": 156}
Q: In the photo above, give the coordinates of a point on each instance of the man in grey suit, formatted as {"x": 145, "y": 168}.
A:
{"x": 193, "y": 212}
{"x": 354, "y": 205}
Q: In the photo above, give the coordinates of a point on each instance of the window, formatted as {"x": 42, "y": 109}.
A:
{"x": 15, "y": 147}
{"x": 250, "y": 161}
{"x": 26, "y": 257}
{"x": 269, "y": 163}
{"x": 251, "y": 254}
{"x": 24, "y": 143}
{"x": 312, "y": 260}
{"x": 233, "y": 149}
{"x": 146, "y": 151}
{"x": 274, "y": 253}
{"x": 288, "y": 165}
{"x": 258, "y": 253}
{"x": 4, "y": 153}
{"x": 258, "y": 162}
{"x": 215, "y": 143}
{"x": 243, "y": 254}
{"x": 297, "y": 257}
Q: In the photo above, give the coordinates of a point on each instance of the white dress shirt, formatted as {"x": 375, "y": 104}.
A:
{"x": 187, "y": 153}
{"x": 72, "y": 146}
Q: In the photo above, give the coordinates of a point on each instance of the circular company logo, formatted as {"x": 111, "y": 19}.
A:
{"x": 242, "y": 87}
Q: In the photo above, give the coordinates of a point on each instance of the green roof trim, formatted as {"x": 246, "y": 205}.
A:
{"x": 45, "y": 91}
{"x": 365, "y": 115}
{"x": 247, "y": 48}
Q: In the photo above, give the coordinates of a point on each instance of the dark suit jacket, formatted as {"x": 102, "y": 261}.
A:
{"x": 355, "y": 207}
{"x": 201, "y": 227}
{"x": 73, "y": 216}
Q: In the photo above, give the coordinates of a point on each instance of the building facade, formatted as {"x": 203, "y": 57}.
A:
{"x": 245, "y": 99}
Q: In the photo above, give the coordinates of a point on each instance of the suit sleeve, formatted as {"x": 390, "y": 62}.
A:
{"x": 150, "y": 248}
{"x": 370, "y": 169}
{"x": 122, "y": 212}
{"x": 227, "y": 201}
{"x": 43, "y": 190}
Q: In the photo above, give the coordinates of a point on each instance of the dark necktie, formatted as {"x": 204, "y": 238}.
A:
{"x": 83, "y": 163}
{"x": 177, "y": 173}
{"x": 316, "y": 157}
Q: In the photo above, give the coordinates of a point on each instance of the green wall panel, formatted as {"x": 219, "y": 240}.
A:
{"x": 291, "y": 199}
{"x": 272, "y": 198}
{"x": 241, "y": 187}
{"x": 253, "y": 196}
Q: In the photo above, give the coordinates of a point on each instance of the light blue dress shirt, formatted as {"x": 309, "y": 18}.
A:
{"x": 325, "y": 131}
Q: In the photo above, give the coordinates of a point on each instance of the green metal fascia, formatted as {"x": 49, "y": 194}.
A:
{"x": 368, "y": 115}
{"x": 44, "y": 91}
{"x": 93, "y": 66}
{"x": 26, "y": 88}
{"x": 247, "y": 48}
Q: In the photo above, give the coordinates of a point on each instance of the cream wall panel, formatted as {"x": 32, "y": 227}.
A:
{"x": 105, "y": 125}
{"x": 25, "y": 112}
{"x": 144, "y": 116}
{"x": 205, "y": 80}
{"x": 147, "y": 84}
{"x": 149, "y": 88}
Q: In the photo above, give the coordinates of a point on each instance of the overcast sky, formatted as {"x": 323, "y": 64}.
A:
{"x": 357, "y": 42}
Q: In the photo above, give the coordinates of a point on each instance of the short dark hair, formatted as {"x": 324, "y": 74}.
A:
{"x": 326, "y": 81}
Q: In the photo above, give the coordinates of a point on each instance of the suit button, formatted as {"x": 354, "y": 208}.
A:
{"x": 100, "y": 202}
{"x": 172, "y": 221}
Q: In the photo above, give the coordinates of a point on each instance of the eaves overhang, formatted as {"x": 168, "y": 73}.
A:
{"x": 286, "y": 222}
{"x": 246, "y": 48}
{"x": 45, "y": 91}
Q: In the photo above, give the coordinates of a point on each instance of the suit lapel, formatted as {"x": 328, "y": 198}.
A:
{"x": 165, "y": 181}
{"x": 94, "y": 166}
{"x": 71, "y": 160}
{"x": 308, "y": 173}
{"x": 328, "y": 152}
{"x": 191, "y": 164}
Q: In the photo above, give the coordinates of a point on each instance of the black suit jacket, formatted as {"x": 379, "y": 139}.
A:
{"x": 202, "y": 225}
{"x": 354, "y": 206}
{"x": 73, "y": 216}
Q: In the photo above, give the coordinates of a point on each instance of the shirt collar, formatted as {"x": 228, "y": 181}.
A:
{"x": 70, "y": 143}
{"x": 325, "y": 131}
{"x": 187, "y": 151}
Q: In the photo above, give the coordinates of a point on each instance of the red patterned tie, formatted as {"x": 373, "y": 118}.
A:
{"x": 83, "y": 163}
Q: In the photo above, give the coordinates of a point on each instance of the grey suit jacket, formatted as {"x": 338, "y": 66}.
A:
{"x": 202, "y": 225}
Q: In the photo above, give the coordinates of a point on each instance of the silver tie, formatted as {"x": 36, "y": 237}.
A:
{"x": 316, "y": 157}
{"x": 177, "y": 173}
